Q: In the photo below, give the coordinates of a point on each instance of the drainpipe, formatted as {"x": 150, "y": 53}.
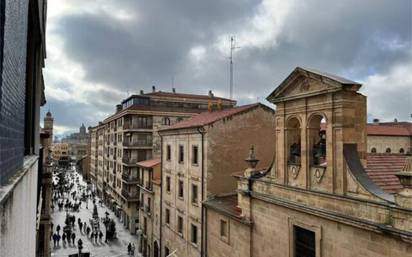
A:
{"x": 161, "y": 196}
{"x": 202, "y": 132}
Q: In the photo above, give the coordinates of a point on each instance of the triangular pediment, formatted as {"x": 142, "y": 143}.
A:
{"x": 304, "y": 83}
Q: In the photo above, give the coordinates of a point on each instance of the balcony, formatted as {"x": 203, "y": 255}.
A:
{"x": 129, "y": 161}
{"x": 129, "y": 178}
{"x": 148, "y": 186}
{"x": 130, "y": 196}
{"x": 138, "y": 143}
{"x": 136, "y": 126}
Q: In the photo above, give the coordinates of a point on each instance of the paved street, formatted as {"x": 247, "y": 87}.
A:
{"x": 114, "y": 248}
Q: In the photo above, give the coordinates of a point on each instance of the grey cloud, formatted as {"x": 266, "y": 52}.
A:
{"x": 350, "y": 38}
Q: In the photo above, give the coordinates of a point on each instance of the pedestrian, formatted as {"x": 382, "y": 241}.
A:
{"x": 58, "y": 229}
{"x": 58, "y": 240}
{"x": 100, "y": 235}
{"x": 73, "y": 237}
{"x": 133, "y": 248}
{"x": 95, "y": 236}
{"x": 80, "y": 226}
{"x": 54, "y": 239}
{"x": 80, "y": 245}
{"x": 129, "y": 248}
{"x": 64, "y": 238}
{"x": 84, "y": 225}
{"x": 88, "y": 230}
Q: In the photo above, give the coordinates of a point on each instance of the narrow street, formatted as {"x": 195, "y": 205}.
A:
{"x": 113, "y": 248}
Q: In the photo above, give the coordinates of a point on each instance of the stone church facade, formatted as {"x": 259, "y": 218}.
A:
{"x": 316, "y": 199}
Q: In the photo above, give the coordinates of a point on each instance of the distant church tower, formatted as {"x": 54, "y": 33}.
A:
{"x": 82, "y": 130}
{"x": 48, "y": 125}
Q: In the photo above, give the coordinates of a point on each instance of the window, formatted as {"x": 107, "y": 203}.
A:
{"x": 388, "y": 150}
{"x": 373, "y": 150}
{"x": 193, "y": 237}
{"x": 166, "y": 121}
{"x": 194, "y": 194}
{"x": 401, "y": 150}
{"x": 181, "y": 153}
{"x": 304, "y": 242}
{"x": 167, "y": 216}
{"x": 179, "y": 225}
{"x": 144, "y": 225}
{"x": 223, "y": 228}
{"x": 168, "y": 184}
{"x": 195, "y": 154}
{"x": 181, "y": 188}
{"x": 167, "y": 251}
{"x": 168, "y": 153}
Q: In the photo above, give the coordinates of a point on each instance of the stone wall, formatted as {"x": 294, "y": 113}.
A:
{"x": 272, "y": 235}
{"x": 236, "y": 244}
{"x": 18, "y": 212}
{"x": 228, "y": 146}
{"x": 395, "y": 143}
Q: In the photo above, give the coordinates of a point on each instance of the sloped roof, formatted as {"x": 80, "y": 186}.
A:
{"x": 149, "y": 163}
{"x": 337, "y": 78}
{"x": 299, "y": 71}
{"x": 381, "y": 168}
{"x": 206, "y": 118}
{"x": 385, "y": 130}
{"x": 226, "y": 205}
{"x": 181, "y": 95}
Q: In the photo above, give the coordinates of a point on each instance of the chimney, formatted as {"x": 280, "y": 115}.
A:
{"x": 174, "y": 90}
{"x": 141, "y": 92}
{"x": 153, "y": 89}
{"x": 118, "y": 107}
{"x": 376, "y": 121}
{"x": 210, "y": 93}
{"x": 404, "y": 197}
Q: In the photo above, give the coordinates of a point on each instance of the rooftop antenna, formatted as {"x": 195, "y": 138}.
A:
{"x": 232, "y": 48}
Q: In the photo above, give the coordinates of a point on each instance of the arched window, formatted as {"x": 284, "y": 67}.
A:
{"x": 317, "y": 140}
{"x": 293, "y": 141}
{"x": 388, "y": 150}
{"x": 166, "y": 121}
{"x": 373, "y": 150}
{"x": 401, "y": 150}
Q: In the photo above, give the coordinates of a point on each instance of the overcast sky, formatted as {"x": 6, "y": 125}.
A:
{"x": 99, "y": 51}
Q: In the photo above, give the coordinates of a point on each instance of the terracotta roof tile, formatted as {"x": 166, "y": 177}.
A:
{"x": 226, "y": 204}
{"x": 149, "y": 163}
{"x": 381, "y": 168}
{"x": 206, "y": 118}
{"x": 387, "y": 130}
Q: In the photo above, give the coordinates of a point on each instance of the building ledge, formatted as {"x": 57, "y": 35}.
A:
{"x": 6, "y": 190}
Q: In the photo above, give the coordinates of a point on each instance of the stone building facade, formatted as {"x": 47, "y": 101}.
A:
{"x": 301, "y": 207}
{"x": 198, "y": 157}
{"x": 149, "y": 183}
{"x": 130, "y": 135}
{"x": 22, "y": 54}
{"x": 390, "y": 137}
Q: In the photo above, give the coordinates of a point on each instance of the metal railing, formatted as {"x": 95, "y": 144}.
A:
{"x": 138, "y": 143}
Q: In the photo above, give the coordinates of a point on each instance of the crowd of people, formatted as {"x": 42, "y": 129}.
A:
{"x": 71, "y": 196}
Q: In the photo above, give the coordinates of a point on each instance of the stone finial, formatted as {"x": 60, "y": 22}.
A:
{"x": 251, "y": 161}
{"x": 404, "y": 196}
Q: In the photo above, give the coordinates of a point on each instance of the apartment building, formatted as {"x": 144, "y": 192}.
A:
{"x": 130, "y": 135}
{"x": 301, "y": 206}
{"x": 199, "y": 156}
{"x": 149, "y": 204}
